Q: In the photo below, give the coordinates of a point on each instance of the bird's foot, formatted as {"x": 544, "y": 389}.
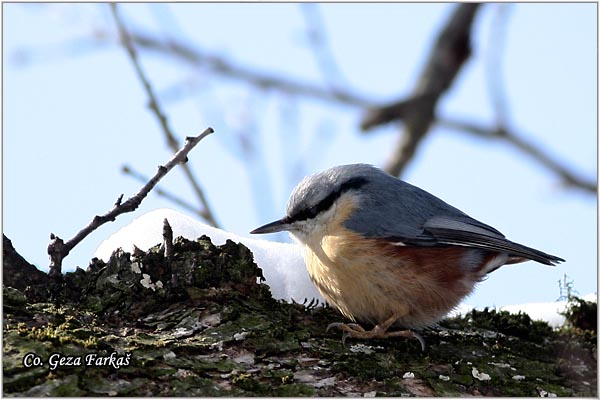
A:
{"x": 356, "y": 331}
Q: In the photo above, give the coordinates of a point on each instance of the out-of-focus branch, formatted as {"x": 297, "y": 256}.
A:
{"x": 317, "y": 39}
{"x": 451, "y": 50}
{"x": 395, "y": 111}
{"x": 161, "y": 192}
{"x": 260, "y": 79}
{"x": 493, "y": 65}
{"x": 59, "y": 249}
{"x": 153, "y": 103}
{"x": 500, "y": 105}
{"x": 127, "y": 42}
{"x": 568, "y": 177}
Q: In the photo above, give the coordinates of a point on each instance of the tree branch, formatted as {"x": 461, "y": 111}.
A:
{"x": 529, "y": 148}
{"x": 127, "y": 170}
{"x": 58, "y": 249}
{"x": 394, "y": 111}
{"x": 493, "y": 65}
{"x": 260, "y": 79}
{"x": 449, "y": 54}
{"x": 317, "y": 39}
{"x": 155, "y": 107}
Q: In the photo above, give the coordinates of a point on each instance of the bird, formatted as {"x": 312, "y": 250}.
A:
{"x": 388, "y": 254}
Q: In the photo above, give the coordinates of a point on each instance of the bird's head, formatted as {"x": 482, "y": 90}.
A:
{"x": 315, "y": 202}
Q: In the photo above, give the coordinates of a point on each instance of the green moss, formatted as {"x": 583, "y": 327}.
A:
{"x": 250, "y": 384}
{"x": 519, "y": 325}
{"x": 60, "y": 335}
{"x": 213, "y": 330}
{"x": 282, "y": 375}
{"x": 67, "y": 387}
{"x": 13, "y": 298}
{"x": 446, "y": 389}
{"x": 23, "y": 381}
{"x": 294, "y": 390}
{"x": 193, "y": 386}
{"x": 465, "y": 379}
{"x": 582, "y": 314}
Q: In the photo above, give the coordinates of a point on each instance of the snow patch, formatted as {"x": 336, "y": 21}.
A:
{"x": 482, "y": 376}
{"x": 282, "y": 263}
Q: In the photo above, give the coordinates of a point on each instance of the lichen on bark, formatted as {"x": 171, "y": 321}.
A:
{"x": 203, "y": 323}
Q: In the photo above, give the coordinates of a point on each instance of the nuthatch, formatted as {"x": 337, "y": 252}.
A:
{"x": 387, "y": 253}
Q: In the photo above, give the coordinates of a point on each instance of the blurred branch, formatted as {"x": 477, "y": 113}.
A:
{"x": 260, "y": 79}
{"x": 317, "y": 39}
{"x": 127, "y": 170}
{"x": 500, "y": 105}
{"x": 59, "y": 249}
{"x": 493, "y": 65}
{"x": 127, "y": 42}
{"x": 568, "y": 177}
{"x": 447, "y": 56}
{"x": 450, "y": 52}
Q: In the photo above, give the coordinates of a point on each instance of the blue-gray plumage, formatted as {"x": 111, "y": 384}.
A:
{"x": 396, "y": 210}
{"x": 386, "y": 252}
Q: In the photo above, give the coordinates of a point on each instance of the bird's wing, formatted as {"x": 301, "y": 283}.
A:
{"x": 404, "y": 214}
{"x": 468, "y": 232}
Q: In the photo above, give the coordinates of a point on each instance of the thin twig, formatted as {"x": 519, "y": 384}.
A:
{"x": 260, "y": 79}
{"x": 493, "y": 65}
{"x": 168, "y": 249}
{"x": 58, "y": 249}
{"x": 265, "y": 79}
{"x": 155, "y": 107}
{"x": 167, "y": 239}
{"x": 568, "y": 177}
{"x": 317, "y": 39}
{"x": 450, "y": 52}
{"x": 127, "y": 170}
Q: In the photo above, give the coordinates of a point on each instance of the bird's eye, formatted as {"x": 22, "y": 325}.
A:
{"x": 326, "y": 203}
{"x": 307, "y": 213}
{"x": 312, "y": 212}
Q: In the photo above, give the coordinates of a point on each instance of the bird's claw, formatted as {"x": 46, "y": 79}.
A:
{"x": 344, "y": 337}
{"x": 356, "y": 331}
{"x": 345, "y": 327}
{"x": 420, "y": 339}
{"x": 333, "y": 325}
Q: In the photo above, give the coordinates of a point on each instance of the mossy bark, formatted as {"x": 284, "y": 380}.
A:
{"x": 203, "y": 324}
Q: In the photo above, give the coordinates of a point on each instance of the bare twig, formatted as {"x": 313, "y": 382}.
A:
{"x": 168, "y": 248}
{"x": 493, "y": 65}
{"x": 450, "y": 52}
{"x": 400, "y": 110}
{"x": 319, "y": 44}
{"x": 58, "y": 249}
{"x": 529, "y": 148}
{"x": 264, "y": 79}
{"x": 161, "y": 192}
{"x": 168, "y": 239}
{"x": 260, "y": 79}
{"x": 155, "y": 107}
{"x": 500, "y": 104}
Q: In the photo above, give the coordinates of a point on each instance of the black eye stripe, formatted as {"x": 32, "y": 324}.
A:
{"x": 327, "y": 202}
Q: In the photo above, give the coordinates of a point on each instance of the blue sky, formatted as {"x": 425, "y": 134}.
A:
{"x": 74, "y": 112}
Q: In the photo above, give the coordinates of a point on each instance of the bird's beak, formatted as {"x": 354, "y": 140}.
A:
{"x": 272, "y": 227}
